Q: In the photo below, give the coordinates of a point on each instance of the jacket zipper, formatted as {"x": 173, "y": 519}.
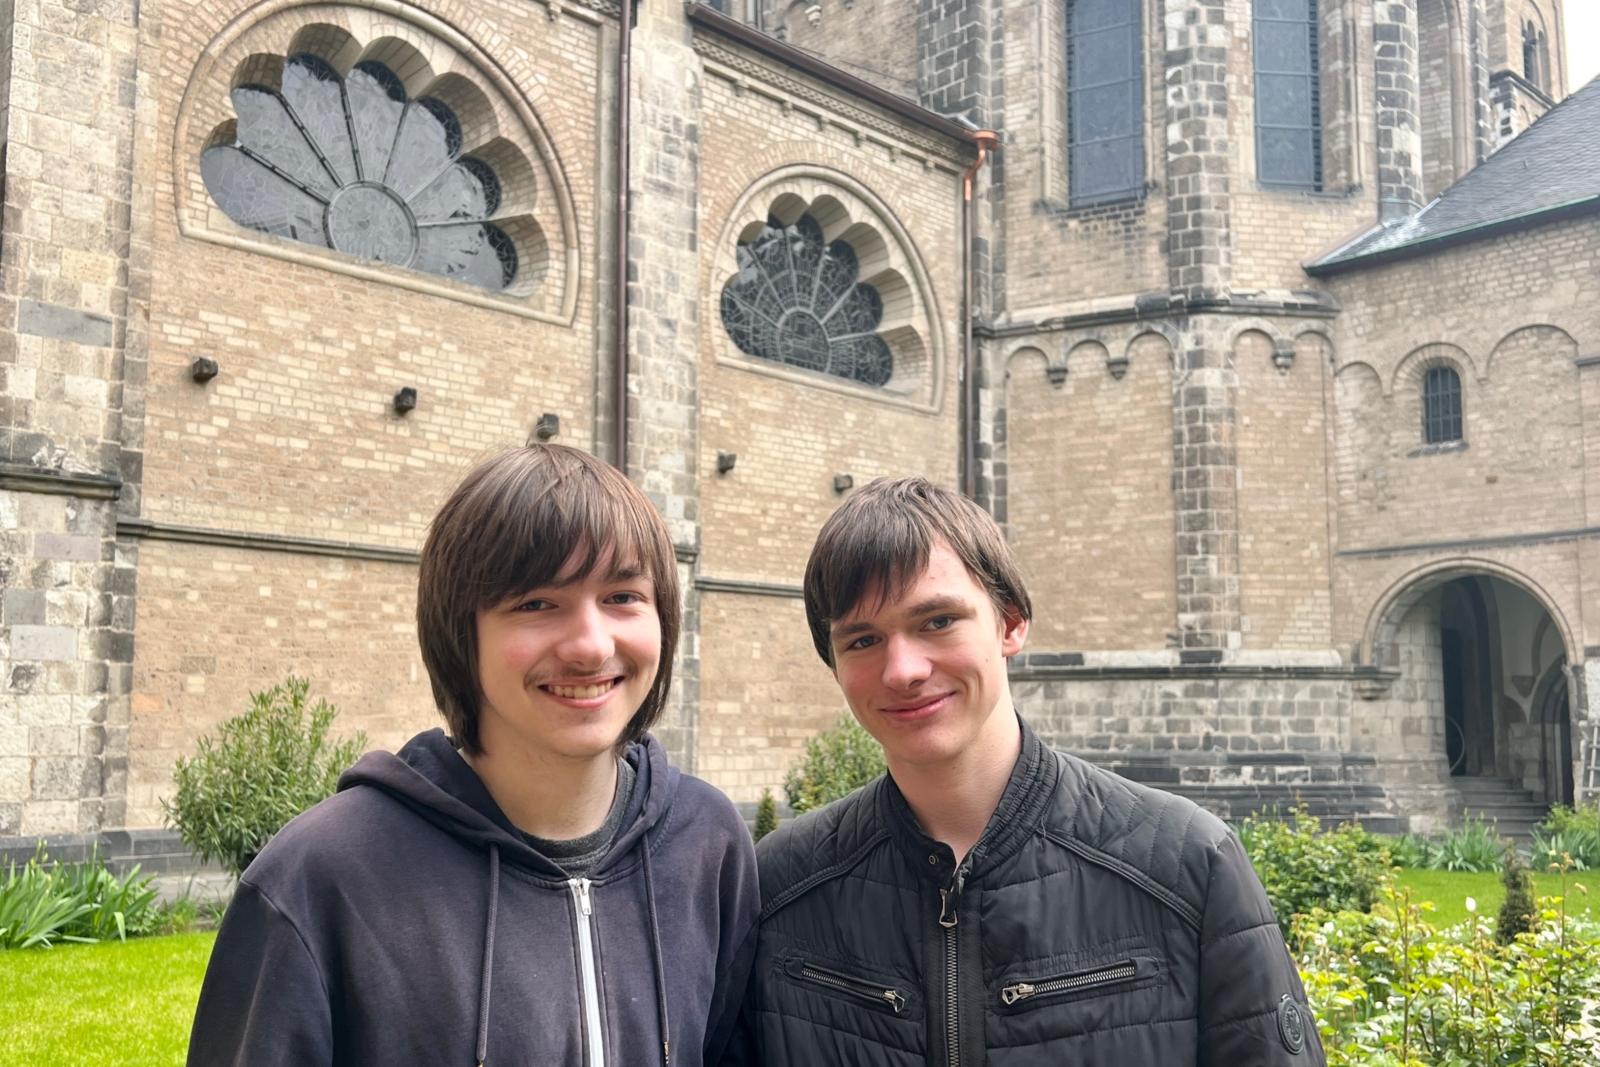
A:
{"x": 854, "y": 986}
{"x": 949, "y": 909}
{"x": 1070, "y": 983}
{"x": 589, "y": 994}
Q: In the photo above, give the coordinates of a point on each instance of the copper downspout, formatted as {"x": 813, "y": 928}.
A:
{"x": 619, "y": 363}
{"x": 987, "y": 141}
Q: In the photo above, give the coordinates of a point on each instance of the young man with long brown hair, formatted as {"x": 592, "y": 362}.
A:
{"x": 538, "y": 886}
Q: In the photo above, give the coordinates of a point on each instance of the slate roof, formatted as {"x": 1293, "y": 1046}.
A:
{"x": 1552, "y": 167}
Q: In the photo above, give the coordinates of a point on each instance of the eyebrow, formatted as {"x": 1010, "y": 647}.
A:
{"x": 629, "y": 573}
{"x": 934, "y": 605}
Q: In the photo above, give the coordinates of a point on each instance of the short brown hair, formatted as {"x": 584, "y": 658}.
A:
{"x": 512, "y": 525}
{"x": 878, "y": 543}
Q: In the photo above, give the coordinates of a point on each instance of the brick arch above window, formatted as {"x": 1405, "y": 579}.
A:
{"x": 1408, "y": 372}
{"x": 376, "y": 141}
{"x": 815, "y": 280}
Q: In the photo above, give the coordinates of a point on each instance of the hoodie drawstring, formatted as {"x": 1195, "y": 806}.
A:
{"x": 655, "y": 955}
{"x": 488, "y": 954}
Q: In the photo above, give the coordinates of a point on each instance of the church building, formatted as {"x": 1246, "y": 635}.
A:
{"x": 1269, "y": 330}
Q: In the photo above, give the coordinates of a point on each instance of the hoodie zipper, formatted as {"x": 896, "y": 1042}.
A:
{"x": 1076, "y": 982}
{"x": 949, "y": 913}
{"x": 878, "y": 995}
{"x": 589, "y": 993}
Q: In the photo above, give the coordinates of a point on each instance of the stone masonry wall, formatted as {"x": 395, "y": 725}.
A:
{"x": 1088, "y": 458}
{"x": 65, "y": 331}
{"x": 874, "y": 40}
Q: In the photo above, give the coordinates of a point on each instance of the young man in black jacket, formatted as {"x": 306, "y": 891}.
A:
{"x": 539, "y": 887}
{"x": 990, "y": 901}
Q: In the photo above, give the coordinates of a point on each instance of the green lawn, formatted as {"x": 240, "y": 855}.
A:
{"x": 128, "y": 1005}
{"x": 1449, "y": 890}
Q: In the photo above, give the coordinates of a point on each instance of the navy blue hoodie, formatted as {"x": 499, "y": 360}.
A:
{"x": 405, "y": 921}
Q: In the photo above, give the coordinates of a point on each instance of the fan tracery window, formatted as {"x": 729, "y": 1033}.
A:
{"x": 352, "y": 164}
{"x": 797, "y": 300}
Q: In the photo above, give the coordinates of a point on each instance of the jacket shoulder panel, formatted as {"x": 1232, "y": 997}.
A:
{"x": 1163, "y": 842}
{"x": 818, "y": 845}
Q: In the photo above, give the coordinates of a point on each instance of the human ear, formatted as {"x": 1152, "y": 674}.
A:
{"x": 1013, "y": 632}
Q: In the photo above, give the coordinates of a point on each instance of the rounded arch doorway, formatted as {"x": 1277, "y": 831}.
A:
{"x": 1490, "y": 657}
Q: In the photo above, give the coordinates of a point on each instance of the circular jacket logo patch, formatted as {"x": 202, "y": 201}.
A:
{"x": 1291, "y": 1025}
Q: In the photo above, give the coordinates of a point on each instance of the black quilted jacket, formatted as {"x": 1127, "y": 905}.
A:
{"x": 1097, "y": 922}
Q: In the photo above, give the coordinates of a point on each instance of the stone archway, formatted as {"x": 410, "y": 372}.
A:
{"x": 1479, "y": 716}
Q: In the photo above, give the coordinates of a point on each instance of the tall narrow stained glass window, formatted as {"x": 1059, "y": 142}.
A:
{"x": 797, "y": 300}
{"x": 1441, "y": 406}
{"x": 1288, "y": 94}
{"x": 351, "y": 164}
{"x": 1105, "y": 101}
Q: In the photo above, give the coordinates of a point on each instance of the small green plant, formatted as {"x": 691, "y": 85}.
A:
{"x": 1472, "y": 846}
{"x": 1301, "y": 866}
{"x": 1517, "y": 910}
{"x": 260, "y": 770}
{"x": 766, "y": 815}
{"x": 1412, "y": 851}
{"x": 837, "y": 761}
{"x": 1569, "y": 832}
{"x": 42, "y": 903}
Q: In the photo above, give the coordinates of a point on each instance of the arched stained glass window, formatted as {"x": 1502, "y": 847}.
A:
{"x": 350, "y": 163}
{"x": 1441, "y": 406}
{"x": 1105, "y": 101}
{"x": 1288, "y": 93}
{"x": 796, "y": 300}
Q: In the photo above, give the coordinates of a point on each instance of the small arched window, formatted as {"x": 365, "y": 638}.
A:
{"x": 1530, "y": 53}
{"x": 1441, "y": 406}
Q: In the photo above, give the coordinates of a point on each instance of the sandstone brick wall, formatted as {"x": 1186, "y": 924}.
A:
{"x": 793, "y": 430}
{"x": 297, "y": 434}
{"x": 217, "y": 623}
{"x": 296, "y": 438}
{"x": 765, "y": 693}
{"x": 1089, "y": 504}
{"x": 1285, "y": 594}
{"x": 876, "y": 42}
{"x": 893, "y": 192}
{"x": 1056, "y": 254}
{"x": 1520, "y": 463}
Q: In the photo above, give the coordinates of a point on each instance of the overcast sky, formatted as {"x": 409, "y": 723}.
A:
{"x": 1583, "y": 41}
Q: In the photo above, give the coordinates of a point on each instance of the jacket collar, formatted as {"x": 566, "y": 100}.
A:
{"x": 1015, "y": 819}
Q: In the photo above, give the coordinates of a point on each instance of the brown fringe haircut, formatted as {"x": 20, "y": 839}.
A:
{"x": 512, "y": 525}
{"x": 877, "y": 545}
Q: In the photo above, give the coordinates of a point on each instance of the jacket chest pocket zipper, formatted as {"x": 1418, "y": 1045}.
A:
{"x": 871, "y": 992}
{"x": 1084, "y": 981}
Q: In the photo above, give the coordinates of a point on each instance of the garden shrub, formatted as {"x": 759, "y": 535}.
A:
{"x": 1516, "y": 911}
{"x": 1473, "y": 846}
{"x": 1302, "y": 867}
{"x": 1571, "y": 833}
{"x": 261, "y": 770}
{"x": 837, "y": 761}
{"x": 42, "y": 903}
{"x": 1388, "y": 989}
{"x": 766, "y": 815}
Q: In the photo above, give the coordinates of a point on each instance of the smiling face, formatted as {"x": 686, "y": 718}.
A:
{"x": 564, "y": 667}
{"x": 925, "y": 671}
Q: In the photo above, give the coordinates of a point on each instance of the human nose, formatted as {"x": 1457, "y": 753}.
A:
{"x": 904, "y": 666}
{"x": 588, "y": 642}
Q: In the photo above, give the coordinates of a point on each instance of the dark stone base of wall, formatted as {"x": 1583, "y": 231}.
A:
{"x": 157, "y": 852}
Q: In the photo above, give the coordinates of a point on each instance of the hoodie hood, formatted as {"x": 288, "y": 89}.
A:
{"x": 429, "y": 776}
